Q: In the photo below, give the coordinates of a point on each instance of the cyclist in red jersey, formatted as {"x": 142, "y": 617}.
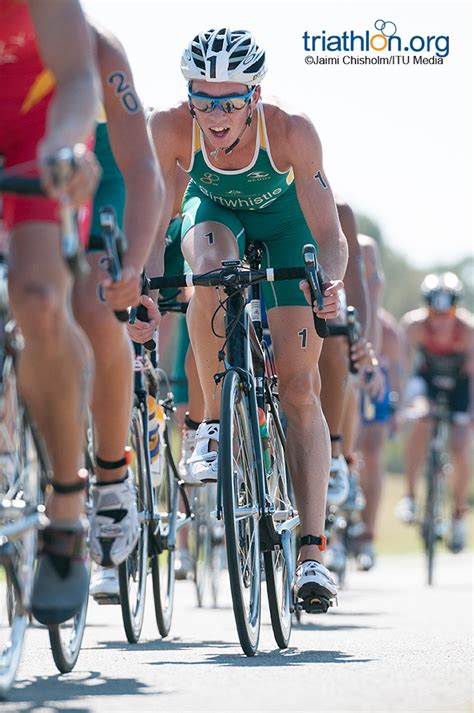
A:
{"x": 48, "y": 101}
{"x": 440, "y": 342}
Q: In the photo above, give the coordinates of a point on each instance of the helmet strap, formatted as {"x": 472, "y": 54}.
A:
{"x": 248, "y": 121}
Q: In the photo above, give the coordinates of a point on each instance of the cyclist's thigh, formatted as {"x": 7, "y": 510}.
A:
{"x": 372, "y": 436}
{"x": 283, "y": 231}
{"x": 459, "y": 437}
{"x": 296, "y": 346}
{"x": 21, "y": 148}
{"x": 210, "y": 234}
{"x": 90, "y": 310}
{"x": 173, "y": 260}
{"x": 180, "y": 389}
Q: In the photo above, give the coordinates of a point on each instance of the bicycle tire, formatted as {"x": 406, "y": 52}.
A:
{"x": 18, "y": 554}
{"x": 66, "y": 640}
{"x": 431, "y": 508}
{"x": 201, "y": 544}
{"x": 239, "y": 489}
{"x": 163, "y": 559}
{"x": 278, "y": 574}
{"x": 133, "y": 572}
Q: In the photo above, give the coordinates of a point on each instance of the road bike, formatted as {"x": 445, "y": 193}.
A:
{"x": 158, "y": 501}
{"x": 253, "y": 487}
{"x": 435, "y": 510}
{"x": 25, "y": 468}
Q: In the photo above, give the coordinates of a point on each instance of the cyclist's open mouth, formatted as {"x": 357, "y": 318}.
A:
{"x": 219, "y": 131}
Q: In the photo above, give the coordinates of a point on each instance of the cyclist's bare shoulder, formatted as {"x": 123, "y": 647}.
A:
{"x": 171, "y": 130}
{"x": 388, "y": 321}
{"x": 290, "y": 134}
{"x": 349, "y": 228}
{"x": 111, "y": 54}
{"x": 412, "y": 323}
{"x": 465, "y": 320}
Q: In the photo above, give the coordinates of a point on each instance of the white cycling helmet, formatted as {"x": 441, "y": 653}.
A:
{"x": 224, "y": 56}
{"x": 441, "y": 291}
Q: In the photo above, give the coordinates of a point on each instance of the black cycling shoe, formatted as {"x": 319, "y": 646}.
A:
{"x": 62, "y": 577}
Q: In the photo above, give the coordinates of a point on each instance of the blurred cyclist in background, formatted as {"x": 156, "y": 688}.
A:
{"x": 440, "y": 350}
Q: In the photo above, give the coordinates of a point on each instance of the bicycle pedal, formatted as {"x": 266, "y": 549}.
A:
{"x": 316, "y": 604}
{"x": 106, "y": 599}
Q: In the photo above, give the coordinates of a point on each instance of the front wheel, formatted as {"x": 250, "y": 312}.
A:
{"x": 163, "y": 558}
{"x": 66, "y": 639}
{"x": 238, "y": 478}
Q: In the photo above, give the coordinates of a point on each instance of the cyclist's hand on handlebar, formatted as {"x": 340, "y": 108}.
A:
{"x": 372, "y": 381}
{"x": 332, "y": 303}
{"x": 125, "y": 292}
{"x": 84, "y": 175}
{"x": 142, "y": 332}
{"x": 362, "y": 353}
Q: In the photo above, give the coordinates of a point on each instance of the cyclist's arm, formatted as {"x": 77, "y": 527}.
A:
{"x": 375, "y": 281}
{"x": 315, "y": 195}
{"x": 59, "y": 25}
{"x": 161, "y": 128}
{"x": 410, "y": 328}
{"x": 354, "y": 279}
{"x": 468, "y": 320}
{"x": 393, "y": 348}
{"x": 131, "y": 148}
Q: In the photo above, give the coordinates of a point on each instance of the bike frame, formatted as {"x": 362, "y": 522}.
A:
{"x": 164, "y": 527}
{"x": 247, "y": 355}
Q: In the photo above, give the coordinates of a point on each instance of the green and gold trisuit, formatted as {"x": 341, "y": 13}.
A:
{"x": 257, "y": 202}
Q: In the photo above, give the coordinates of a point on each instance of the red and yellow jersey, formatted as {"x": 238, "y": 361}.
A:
{"x": 24, "y": 81}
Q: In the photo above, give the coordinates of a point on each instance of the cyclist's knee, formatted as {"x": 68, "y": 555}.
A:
{"x": 420, "y": 429}
{"x": 39, "y": 308}
{"x": 459, "y": 444}
{"x": 207, "y": 244}
{"x": 298, "y": 390}
{"x": 105, "y": 333}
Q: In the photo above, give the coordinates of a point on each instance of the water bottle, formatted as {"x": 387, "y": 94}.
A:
{"x": 267, "y": 456}
{"x": 153, "y": 439}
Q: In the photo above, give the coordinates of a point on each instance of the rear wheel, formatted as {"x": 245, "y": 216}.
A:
{"x": 431, "y": 521}
{"x": 277, "y": 572}
{"x": 201, "y": 543}
{"x": 238, "y": 477}
{"x": 20, "y": 492}
{"x": 133, "y": 572}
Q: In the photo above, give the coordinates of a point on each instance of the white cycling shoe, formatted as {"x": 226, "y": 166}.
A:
{"x": 338, "y": 485}
{"x": 335, "y": 558}
{"x": 406, "y": 510}
{"x": 188, "y": 441}
{"x": 104, "y": 583}
{"x": 458, "y": 535}
{"x": 313, "y": 580}
{"x": 114, "y": 523}
{"x": 365, "y": 559}
{"x": 183, "y": 564}
{"x": 203, "y": 462}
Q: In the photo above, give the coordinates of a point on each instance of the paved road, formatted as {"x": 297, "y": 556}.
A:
{"x": 393, "y": 644}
